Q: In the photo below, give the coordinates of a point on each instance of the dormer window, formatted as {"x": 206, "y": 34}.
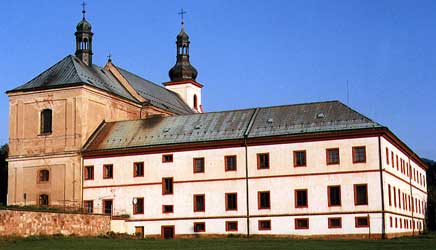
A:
{"x": 46, "y": 121}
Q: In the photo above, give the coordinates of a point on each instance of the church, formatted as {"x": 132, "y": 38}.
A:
{"x": 111, "y": 142}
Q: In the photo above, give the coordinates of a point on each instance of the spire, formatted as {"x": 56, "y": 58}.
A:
{"x": 84, "y": 39}
{"x": 182, "y": 70}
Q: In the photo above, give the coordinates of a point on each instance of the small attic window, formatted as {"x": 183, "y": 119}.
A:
{"x": 320, "y": 115}
{"x": 166, "y": 130}
{"x": 197, "y": 127}
{"x": 270, "y": 120}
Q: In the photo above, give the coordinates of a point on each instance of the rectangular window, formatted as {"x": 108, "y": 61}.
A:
{"x": 198, "y": 165}
{"x": 387, "y": 156}
{"x": 335, "y": 222}
{"x": 392, "y": 159}
{"x": 264, "y": 225}
{"x": 395, "y": 196}
{"x": 138, "y": 205}
{"x": 231, "y": 201}
{"x": 263, "y": 161}
{"x": 390, "y": 221}
{"x": 396, "y": 157}
{"x": 230, "y": 162}
{"x": 167, "y": 158}
{"x": 301, "y": 198}
{"x": 362, "y": 221}
{"x": 138, "y": 169}
{"x": 359, "y": 154}
{"x": 332, "y": 156}
{"x": 334, "y": 195}
{"x": 199, "y": 203}
{"x": 389, "y": 194}
{"x": 108, "y": 171}
{"x": 360, "y": 194}
{"x": 231, "y": 226}
{"x": 300, "y": 158}
{"x": 89, "y": 173}
{"x": 167, "y": 209}
{"x": 107, "y": 206}
{"x": 399, "y": 198}
{"x": 167, "y": 185}
{"x": 88, "y": 207}
{"x": 199, "y": 227}
{"x": 302, "y": 223}
{"x": 264, "y": 200}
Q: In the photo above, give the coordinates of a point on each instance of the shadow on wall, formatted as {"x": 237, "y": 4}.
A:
{"x": 3, "y": 174}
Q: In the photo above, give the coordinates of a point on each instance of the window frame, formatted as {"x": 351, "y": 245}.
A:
{"x": 199, "y": 223}
{"x": 298, "y": 227}
{"x": 227, "y": 201}
{"x": 42, "y": 128}
{"x": 167, "y": 155}
{"x": 194, "y": 162}
{"x": 354, "y": 154}
{"x": 103, "y": 202}
{"x": 259, "y": 201}
{"x": 261, "y": 228}
{"x": 356, "y": 222}
{"x": 330, "y": 226}
{"x": 226, "y": 167}
{"x": 135, "y": 206}
{"x": 165, "y": 212}
{"x": 296, "y": 191}
{"x": 258, "y": 155}
{"x": 171, "y": 192}
{"x": 231, "y": 230}
{"x": 196, "y": 209}
{"x": 85, "y": 177}
{"x": 328, "y": 158}
{"x": 295, "y": 152}
{"x": 135, "y": 164}
{"x": 355, "y": 194}
{"x": 85, "y": 207}
{"x": 39, "y": 180}
{"x": 105, "y": 166}
{"x": 39, "y": 200}
{"x": 329, "y": 195}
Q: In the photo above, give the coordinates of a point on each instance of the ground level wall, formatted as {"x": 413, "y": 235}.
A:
{"x": 27, "y": 223}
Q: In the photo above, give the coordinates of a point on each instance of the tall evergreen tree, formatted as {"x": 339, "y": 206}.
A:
{"x": 431, "y": 199}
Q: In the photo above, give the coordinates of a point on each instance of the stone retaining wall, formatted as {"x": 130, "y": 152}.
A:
{"x": 26, "y": 223}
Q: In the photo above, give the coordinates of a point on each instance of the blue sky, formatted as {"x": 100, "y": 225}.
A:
{"x": 251, "y": 53}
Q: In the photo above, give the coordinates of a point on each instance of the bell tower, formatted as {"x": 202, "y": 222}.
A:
{"x": 183, "y": 75}
{"x": 84, "y": 40}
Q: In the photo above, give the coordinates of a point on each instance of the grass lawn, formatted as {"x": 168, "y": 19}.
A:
{"x": 76, "y": 243}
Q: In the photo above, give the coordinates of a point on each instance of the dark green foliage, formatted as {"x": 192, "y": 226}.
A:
{"x": 3, "y": 173}
{"x": 64, "y": 242}
{"x": 431, "y": 199}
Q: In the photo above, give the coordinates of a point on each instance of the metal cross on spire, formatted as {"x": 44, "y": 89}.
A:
{"x": 109, "y": 57}
{"x": 181, "y": 13}
{"x": 83, "y": 8}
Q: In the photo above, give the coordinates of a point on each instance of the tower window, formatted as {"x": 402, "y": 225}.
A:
{"x": 359, "y": 155}
{"x": 195, "y": 102}
{"x": 263, "y": 161}
{"x": 43, "y": 200}
{"x": 198, "y": 165}
{"x": 167, "y": 185}
{"x": 108, "y": 171}
{"x": 230, "y": 162}
{"x": 46, "y": 121}
{"x": 44, "y": 175}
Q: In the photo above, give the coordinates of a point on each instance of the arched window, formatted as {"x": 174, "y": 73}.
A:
{"x": 46, "y": 121}
{"x": 44, "y": 175}
{"x": 195, "y": 102}
{"x": 43, "y": 200}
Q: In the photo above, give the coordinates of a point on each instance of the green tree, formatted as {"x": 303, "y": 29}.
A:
{"x": 431, "y": 191}
{"x": 3, "y": 173}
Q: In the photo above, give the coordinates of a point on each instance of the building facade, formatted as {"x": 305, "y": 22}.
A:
{"x": 115, "y": 143}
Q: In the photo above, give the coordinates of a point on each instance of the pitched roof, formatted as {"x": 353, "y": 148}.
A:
{"x": 70, "y": 71}
{"x": 228, "y": 125}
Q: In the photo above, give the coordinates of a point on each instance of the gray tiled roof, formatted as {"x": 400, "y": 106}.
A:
{"x": 70, "y": 71}
{"x": 228, "y": 125}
